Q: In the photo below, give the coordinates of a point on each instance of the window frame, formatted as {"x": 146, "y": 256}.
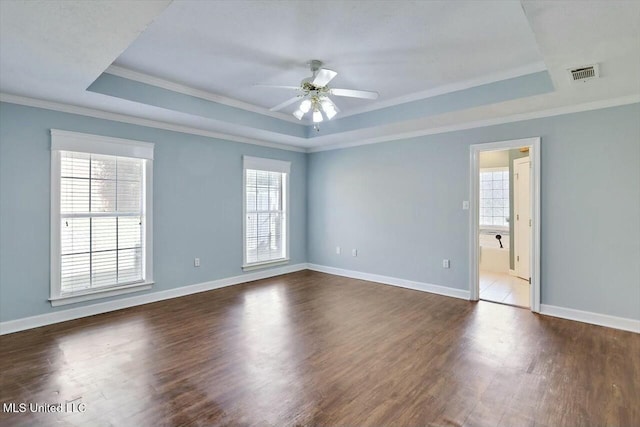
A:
{"x": 270, "y": 165}
{"x": 62, "y": 140}
{"x": 492, "y": 226}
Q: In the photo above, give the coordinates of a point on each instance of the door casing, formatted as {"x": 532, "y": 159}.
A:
{"x": 474, "y": 228}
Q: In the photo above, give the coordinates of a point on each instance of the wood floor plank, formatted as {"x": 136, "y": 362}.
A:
{"x": 309, "y": 348}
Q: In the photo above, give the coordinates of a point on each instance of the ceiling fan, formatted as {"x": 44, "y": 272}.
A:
{"x": 313, "y": 94}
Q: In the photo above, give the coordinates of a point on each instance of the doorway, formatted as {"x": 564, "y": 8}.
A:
{"x": 505, "y": 225}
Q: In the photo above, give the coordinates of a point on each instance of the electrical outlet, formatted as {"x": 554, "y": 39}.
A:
{"x": 338, "y": 250}
{"x": 446, "y": 263}
{"x": 354, "y": 252}
{"x": 465, "y": 205}
{"x": 196, "y": 262}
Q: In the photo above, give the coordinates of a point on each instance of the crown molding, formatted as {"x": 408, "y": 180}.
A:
{"x": 351, "y": 139}
{"x": 577, "y": 108}
{"x": 210, "y": 96}
{"x": 123, "y": 118}
{"x": 137, "y": 76}
{"x": 449, "y": 88}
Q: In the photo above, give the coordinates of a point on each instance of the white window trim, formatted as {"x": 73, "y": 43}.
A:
{"x": 80, "y": 142}
{"x": 495, "y": 169}
{"x": 271, "y": 165}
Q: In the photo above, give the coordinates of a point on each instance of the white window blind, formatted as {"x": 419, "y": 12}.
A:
{"x": 101, "y": 221}
{"x": 266, "y": 213}
{"x": 494, "y": 197}
{"x": 101, "y": 216}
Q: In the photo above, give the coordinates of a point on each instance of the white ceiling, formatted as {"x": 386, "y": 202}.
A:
{"x": 51, "y": 46}
{"x": 574, "y": 33}
{"x": 395, "y": 48}
{"x": 52, "y": 50}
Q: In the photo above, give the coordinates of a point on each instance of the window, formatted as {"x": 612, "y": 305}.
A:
{"x": 100, "y": 216}
{"x": 266, "y": 189}
{"x": 494, "y": 197}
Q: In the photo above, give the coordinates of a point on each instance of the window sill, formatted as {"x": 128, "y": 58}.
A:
{"x": 98, "y": 294}
{"x": 259, "y": 265}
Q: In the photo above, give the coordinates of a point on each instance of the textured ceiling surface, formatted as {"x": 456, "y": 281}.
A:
{"x": 193, "y": 64}
{"x": 395, "y": 48}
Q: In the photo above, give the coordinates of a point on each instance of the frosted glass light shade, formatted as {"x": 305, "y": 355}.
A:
{"x": 330, "y": 112}
{"x": 305, "y": 106}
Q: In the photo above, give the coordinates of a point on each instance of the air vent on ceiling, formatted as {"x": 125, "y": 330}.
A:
{"x": 582, "y": 74}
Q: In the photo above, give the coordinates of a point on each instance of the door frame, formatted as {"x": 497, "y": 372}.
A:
{"x": 474, "y": 226}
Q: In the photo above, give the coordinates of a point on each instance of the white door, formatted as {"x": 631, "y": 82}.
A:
{"x": 522, "y": 213}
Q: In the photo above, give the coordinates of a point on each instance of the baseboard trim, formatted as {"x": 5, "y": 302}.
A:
{"x": 25, "y": 323}
{"x": 17, "y": 325}
{"x": 622, "y": 323}
{"x": 393, "y": 281}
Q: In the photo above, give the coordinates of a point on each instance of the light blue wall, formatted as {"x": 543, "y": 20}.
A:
{"x": 197, "y": 204}
{"x": 400, "y": 204}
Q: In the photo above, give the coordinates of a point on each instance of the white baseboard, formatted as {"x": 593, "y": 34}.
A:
{"x": 545, "y": 309}
{"x": 11, "y": 326}
{"x": 104, "y": 307}
{"x": 512, "y": 272}
{"x": 623, "y": 323}
{"x": 394, "y": 281}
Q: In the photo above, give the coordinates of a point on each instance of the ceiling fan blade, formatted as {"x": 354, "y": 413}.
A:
{"x": 285, "y": 103}
{"x": 323, "y": 76}
{"x": 366, "y": 94}
{"x": 279, "y": 87}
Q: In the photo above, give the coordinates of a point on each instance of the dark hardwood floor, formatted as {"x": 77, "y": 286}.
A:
{"x": 313, "y": 349}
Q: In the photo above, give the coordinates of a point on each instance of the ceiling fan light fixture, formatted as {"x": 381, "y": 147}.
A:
{"x": 305, "y": 106}
{"x": 328, "y": 107}
{"x": 313, "y": 95}
{"x": 298, "y": 114}
{"x": 330, "y": 112}
{"x": 326, "y": 102}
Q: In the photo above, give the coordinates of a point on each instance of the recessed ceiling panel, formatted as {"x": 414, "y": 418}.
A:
{"x": 396, "y": 48}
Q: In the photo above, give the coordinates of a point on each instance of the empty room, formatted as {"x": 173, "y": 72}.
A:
{"x": 319, "y": 213}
